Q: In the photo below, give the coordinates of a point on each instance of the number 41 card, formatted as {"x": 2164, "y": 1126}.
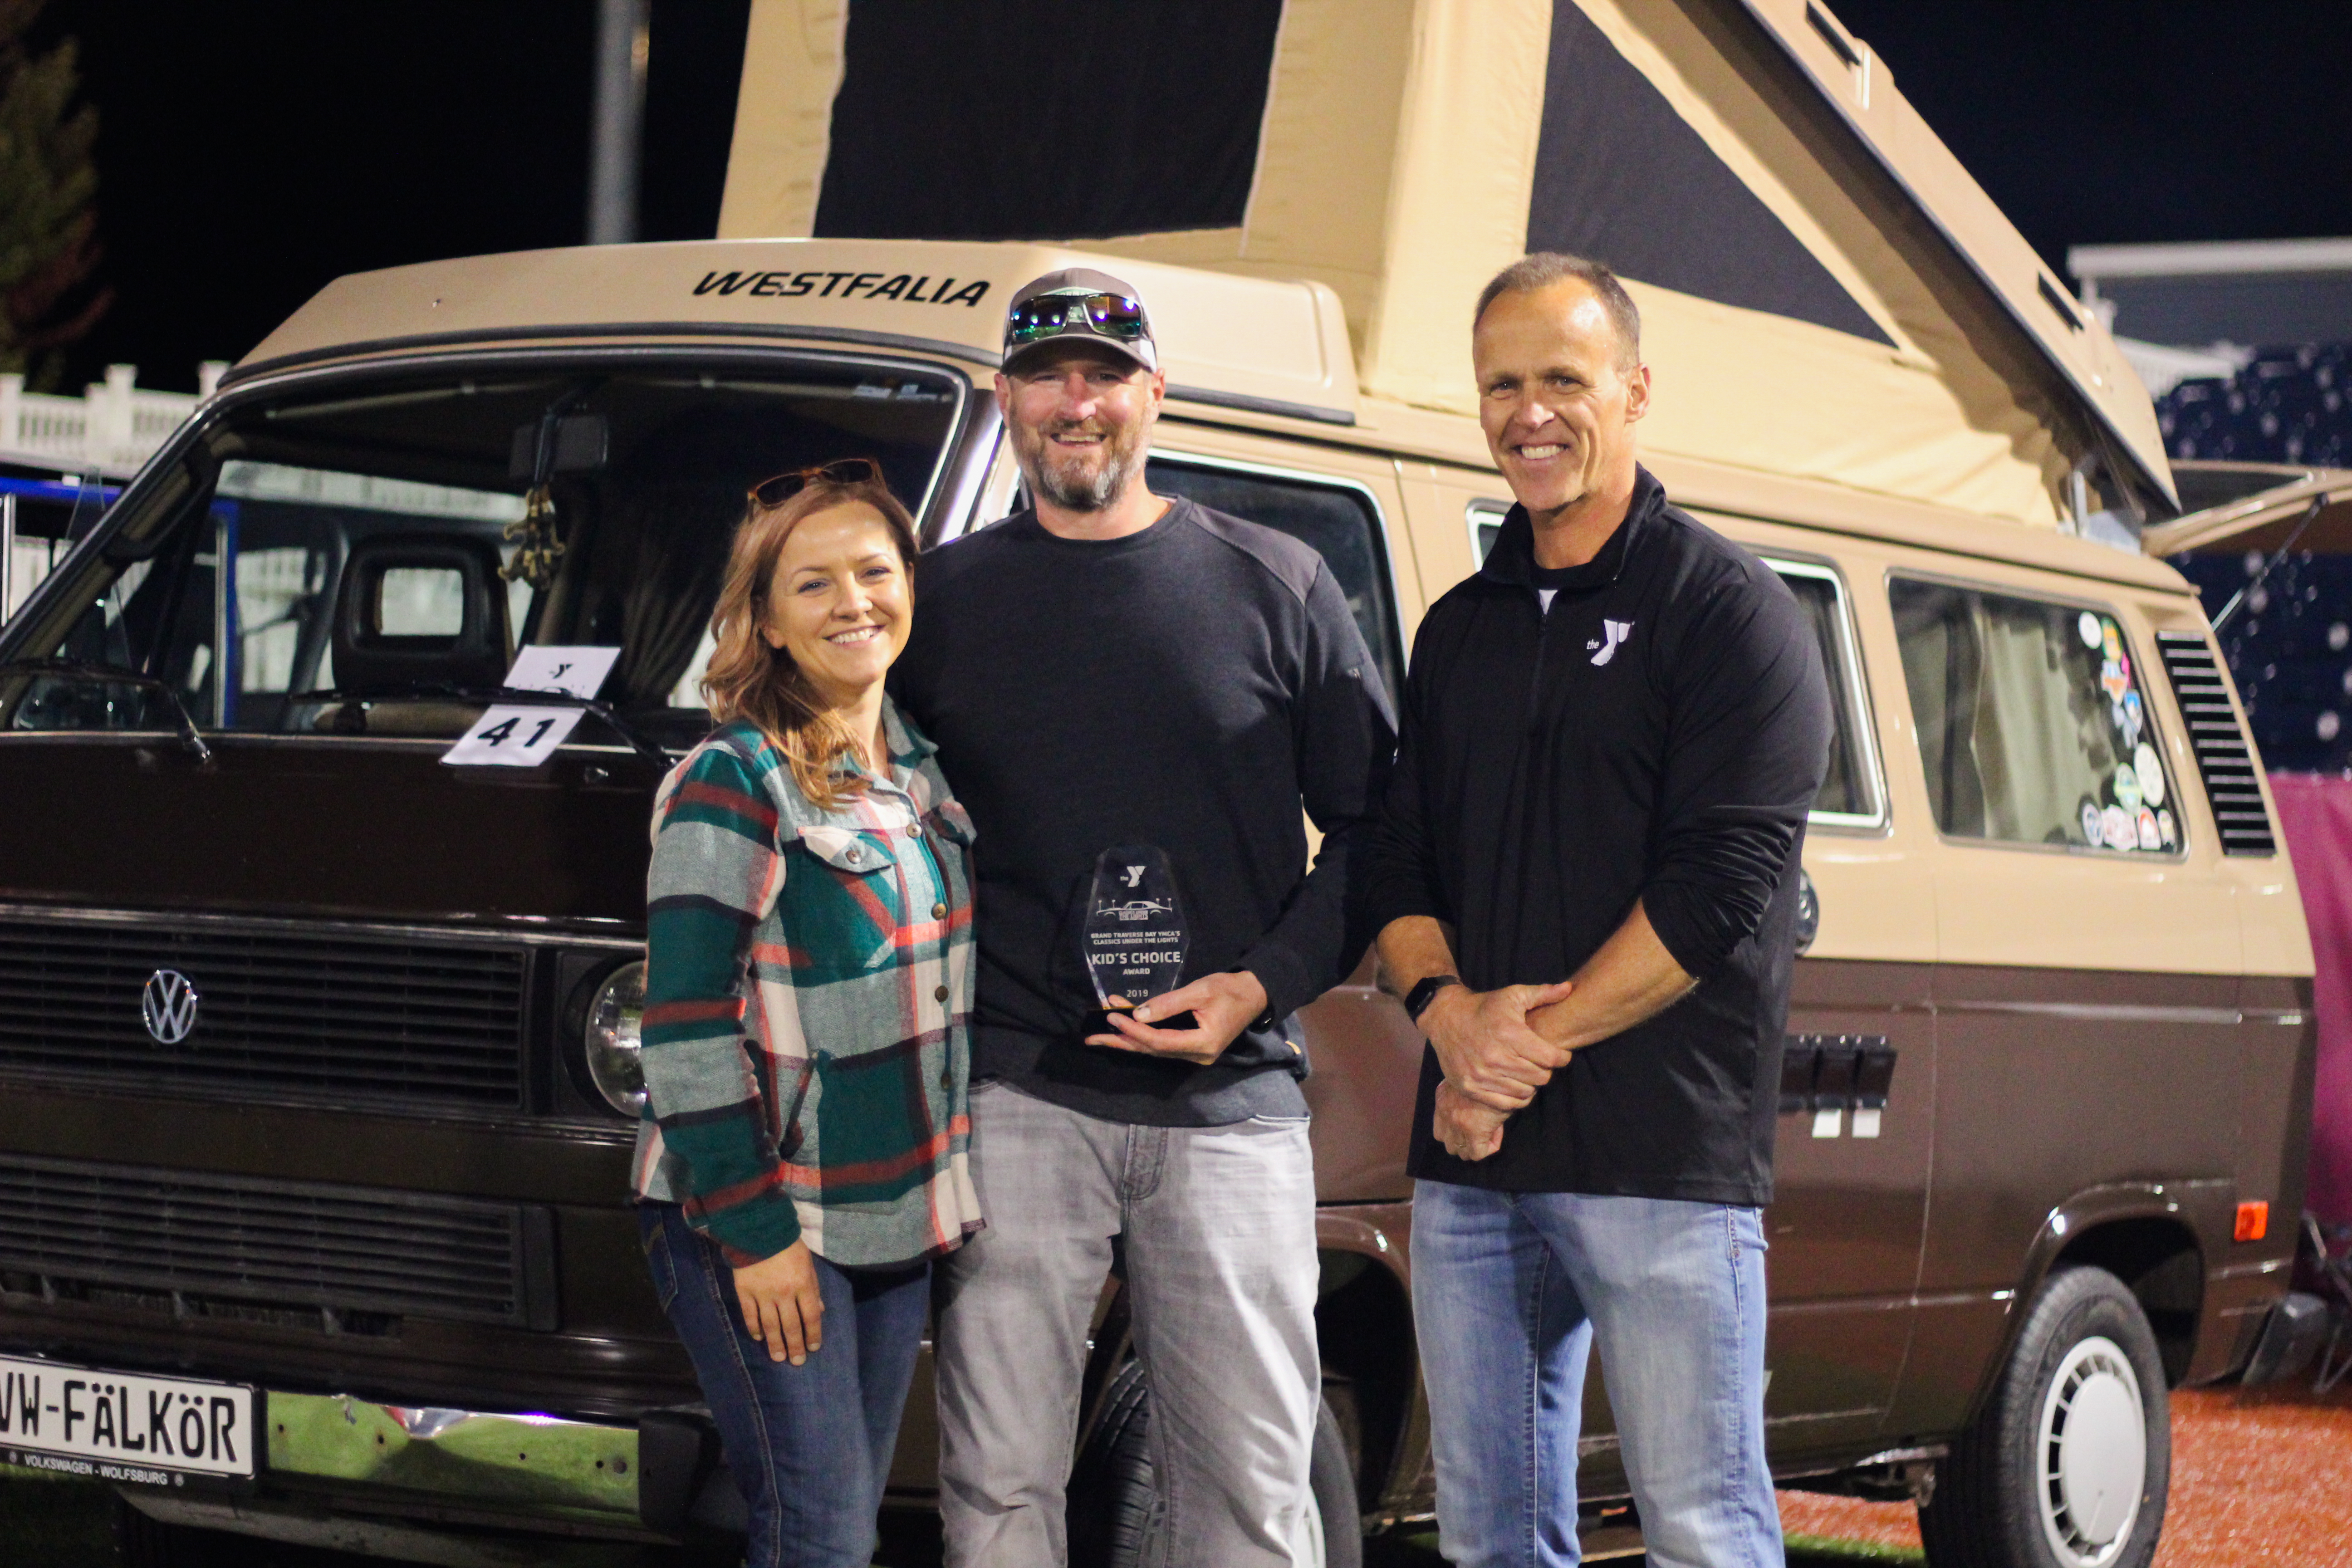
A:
{"x": 520, "y": 737}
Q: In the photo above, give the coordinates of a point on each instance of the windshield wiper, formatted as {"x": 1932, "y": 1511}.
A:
{"x": 118, "y": 675}
{"x": 506, "y": 696}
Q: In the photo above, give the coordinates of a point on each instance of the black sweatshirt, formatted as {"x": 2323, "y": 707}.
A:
{"x": 1187, "y": 686}
{"x": 1657, "y": 735}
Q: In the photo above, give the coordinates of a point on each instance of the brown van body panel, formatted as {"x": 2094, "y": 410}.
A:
{"x": 371, "y": 828}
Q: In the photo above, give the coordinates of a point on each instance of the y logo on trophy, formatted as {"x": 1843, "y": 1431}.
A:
{"x": 1134, "y": 938}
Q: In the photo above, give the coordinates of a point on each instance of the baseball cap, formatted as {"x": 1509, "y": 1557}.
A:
{"x": 1079, "y": 304}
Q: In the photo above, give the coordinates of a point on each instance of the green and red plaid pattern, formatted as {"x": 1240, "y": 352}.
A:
{"x": 808, "y": 992}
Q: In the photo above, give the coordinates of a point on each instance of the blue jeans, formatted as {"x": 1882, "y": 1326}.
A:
{"x": 1509, "y": 1292}
{"x": 809, "y": 1446}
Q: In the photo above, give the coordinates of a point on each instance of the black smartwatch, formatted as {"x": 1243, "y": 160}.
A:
{"x": 1417, "y": 1000}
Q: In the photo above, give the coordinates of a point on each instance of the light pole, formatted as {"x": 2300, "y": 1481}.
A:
{"x": 622, "y": 39}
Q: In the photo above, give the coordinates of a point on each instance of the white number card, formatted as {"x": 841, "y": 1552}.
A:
{"x": 578, "y": 671}
{"x": 514, "y": 736}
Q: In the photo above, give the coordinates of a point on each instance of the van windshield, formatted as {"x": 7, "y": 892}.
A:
{"x": 350, "y": 560}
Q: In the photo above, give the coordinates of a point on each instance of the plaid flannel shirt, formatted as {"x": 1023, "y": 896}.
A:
{"x": 808, "y": 994}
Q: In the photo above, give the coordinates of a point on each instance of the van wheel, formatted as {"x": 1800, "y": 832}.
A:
{"x": 2067, "y": 1464}
{"x": 141, "y": 1542}
{"x": 1116, "y": 1517}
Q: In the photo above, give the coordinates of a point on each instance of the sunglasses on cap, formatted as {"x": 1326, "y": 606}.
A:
{"x": 776, "y": 491}
{"x": 1107, "y": 315}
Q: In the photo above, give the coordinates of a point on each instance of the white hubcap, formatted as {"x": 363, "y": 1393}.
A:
{"x": 2093, "y": 1454}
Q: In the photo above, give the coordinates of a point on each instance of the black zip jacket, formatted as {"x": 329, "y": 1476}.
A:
{"x": 1658, "y": 734}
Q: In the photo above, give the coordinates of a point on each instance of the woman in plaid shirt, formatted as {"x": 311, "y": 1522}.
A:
{"x": 805, "y": 1037}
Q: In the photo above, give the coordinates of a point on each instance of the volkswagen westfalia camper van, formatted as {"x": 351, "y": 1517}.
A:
{"x": 318, "y": 1050}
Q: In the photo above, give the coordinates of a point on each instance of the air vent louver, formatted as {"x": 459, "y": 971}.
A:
{"x": 350, "y": 1249}
{"x": 2223, "y": 756}
{"x": 288, "y": 1013}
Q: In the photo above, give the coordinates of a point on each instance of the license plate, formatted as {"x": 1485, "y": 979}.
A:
{"x": 122, "y": 1425}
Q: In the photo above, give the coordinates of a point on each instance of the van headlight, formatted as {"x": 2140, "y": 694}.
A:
{"x": 611, "y": 1043}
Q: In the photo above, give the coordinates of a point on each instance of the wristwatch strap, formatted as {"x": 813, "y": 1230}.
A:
{"x": 1417, "y": 1000}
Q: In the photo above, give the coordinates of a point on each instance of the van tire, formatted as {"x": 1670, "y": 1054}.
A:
{"x": 2083, "y": 1356}
{"x": 142, "y": 1542}
{"x": 1114, "y": 1512}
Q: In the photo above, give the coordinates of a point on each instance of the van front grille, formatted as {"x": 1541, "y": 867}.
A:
{"x": 2223, "y": 757}
{"x": 321, "y": 1016}
{"x": 67, "y": 1223}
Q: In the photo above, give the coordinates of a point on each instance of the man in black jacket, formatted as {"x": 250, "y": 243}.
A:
{"x": 1586, "y": 888}
{"x": 1113, "y": 667}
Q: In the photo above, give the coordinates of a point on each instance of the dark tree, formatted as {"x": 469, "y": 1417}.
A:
{"x": 50, "y": 294}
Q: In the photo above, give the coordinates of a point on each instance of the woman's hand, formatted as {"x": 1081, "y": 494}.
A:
{"x": 781, "y": 1305}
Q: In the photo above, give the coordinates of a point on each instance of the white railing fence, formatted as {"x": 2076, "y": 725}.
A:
{"x": 111, "y": 429}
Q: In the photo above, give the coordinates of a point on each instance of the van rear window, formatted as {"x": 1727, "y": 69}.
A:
{"x": 2033, "y": 723}
{"x": 378, "y": 540}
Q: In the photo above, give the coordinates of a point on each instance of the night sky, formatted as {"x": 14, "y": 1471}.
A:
{"x": 252, "y": 151}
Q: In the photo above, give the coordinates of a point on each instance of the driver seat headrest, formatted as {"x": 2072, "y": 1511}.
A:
{"x": 421, "y": 608}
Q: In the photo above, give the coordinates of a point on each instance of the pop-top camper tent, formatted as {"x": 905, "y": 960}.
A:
{"x": 1825, "y": 292}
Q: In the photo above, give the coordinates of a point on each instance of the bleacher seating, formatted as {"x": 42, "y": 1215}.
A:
{"x": 2290, "y": 643}
{"x": 2286, "y": 407}
{"x": 2290, "y": 649}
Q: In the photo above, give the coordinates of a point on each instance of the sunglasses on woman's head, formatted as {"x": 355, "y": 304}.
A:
{"x": 773, "y": 492}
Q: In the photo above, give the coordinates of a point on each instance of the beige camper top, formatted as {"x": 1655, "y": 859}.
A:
{"x": 1401, "y": 162}
{"x": 1238, "y": 351}
{"x": 1276, "y": 348}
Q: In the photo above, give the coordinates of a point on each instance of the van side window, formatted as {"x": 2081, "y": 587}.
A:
{"x": 2033, "y": 728}
{"x": 1483, "y": 519}
{"x": 1850, "y": 796}
{"x": 1342, "y": 522}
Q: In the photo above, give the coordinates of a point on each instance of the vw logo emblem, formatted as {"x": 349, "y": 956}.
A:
{"x": 169, "y": 1005}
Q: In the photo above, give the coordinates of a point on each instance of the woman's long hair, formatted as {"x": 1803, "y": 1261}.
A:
{"x": 747, "y": 680}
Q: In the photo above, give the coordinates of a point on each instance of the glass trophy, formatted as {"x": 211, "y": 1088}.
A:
{"x": 1134, "y": 936}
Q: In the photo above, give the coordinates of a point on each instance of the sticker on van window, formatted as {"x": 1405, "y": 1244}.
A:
{"x": 2144, "y": 763}
{"x": 2114, "y": 681}
{"x": 2116, "y": 827}
{"x": 2151, "y": 837}
{"x": 2111, "y": 641}
{"x": 2165, "y": 832}
{"x": 2128, "y": 719}
{"x": 2088, "y": 625}
{"x": 2127, "y": 788}
{"x": 2091, "y": 830}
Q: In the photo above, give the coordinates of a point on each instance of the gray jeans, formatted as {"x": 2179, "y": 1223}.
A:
{"x": 1219, "y": 1224}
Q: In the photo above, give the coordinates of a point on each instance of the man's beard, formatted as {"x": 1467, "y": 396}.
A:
{"x": 1071, "y": 487}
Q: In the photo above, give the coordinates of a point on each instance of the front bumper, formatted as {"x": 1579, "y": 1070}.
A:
{"x": 458, "y": 1487}
{"x": 541, "y": 1466}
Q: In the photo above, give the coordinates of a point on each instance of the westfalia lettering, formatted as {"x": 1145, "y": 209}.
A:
{"x": 902, "y": 286}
